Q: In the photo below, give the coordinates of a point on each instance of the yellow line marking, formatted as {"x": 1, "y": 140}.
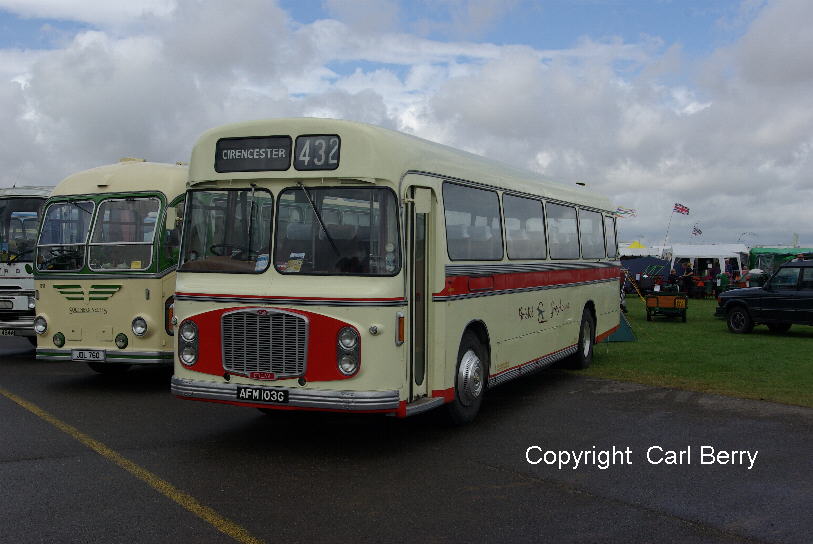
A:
{"x": 186, "y": 500}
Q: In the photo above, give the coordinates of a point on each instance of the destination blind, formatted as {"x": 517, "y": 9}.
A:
{"x": 253, "y": 154}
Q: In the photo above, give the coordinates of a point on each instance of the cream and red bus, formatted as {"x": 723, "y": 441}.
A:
{"x": 338, "y": 266}
{"x": 20, "y": 209}
{"x": 105, "y": 266}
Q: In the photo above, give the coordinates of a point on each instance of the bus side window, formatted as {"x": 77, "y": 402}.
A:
{"x": 591, "y": 233}
{"x": 473, "y": 227}
{"x": 609, "y": 237}
{"x": 564, "y": 243}
{"x": 525, "y": 235}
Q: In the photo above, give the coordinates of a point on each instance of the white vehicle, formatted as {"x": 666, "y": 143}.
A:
{"x": 20, "y": 209}
{"x": 332, "y": 265}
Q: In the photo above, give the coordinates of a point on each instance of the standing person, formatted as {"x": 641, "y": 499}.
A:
{"x": 799, "y": 257}
{"x": 722, "y": 282}
{"x": 686, "y": 279}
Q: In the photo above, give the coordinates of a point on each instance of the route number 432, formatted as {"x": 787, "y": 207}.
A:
{"x": 317, "y": 152}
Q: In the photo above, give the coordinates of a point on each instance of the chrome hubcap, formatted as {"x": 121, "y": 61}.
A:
{"x": 470, "y": 378}
{"x": 586, "y": 332}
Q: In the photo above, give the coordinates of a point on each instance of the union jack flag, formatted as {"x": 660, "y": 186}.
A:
{"x": 680, "y": 208}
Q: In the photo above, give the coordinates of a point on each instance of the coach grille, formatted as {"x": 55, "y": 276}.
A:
{"x": 265, "y": 341}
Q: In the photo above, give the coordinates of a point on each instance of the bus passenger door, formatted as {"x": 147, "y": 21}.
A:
{"x": 420, "y": 294}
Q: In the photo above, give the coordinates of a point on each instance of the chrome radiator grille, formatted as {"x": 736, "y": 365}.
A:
{"x": 264, "y": 341}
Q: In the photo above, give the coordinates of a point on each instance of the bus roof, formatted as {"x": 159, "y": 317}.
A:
{"x": 28, "y": 190}
{"x": 369, "y": 152}
{"x": 124, "y": 177}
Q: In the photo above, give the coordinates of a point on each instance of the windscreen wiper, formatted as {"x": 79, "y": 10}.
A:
{"x": 319, "y": 219}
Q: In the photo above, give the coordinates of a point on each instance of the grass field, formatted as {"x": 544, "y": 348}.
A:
{"x": 701, "y": 355}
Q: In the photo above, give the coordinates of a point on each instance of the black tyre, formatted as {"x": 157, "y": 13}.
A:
{"x": 109, "y": 368}
{"x": 739, "y": 320}
{"x": 648, "y": 315}
{"x": 471, "y": 378}
{"x": 779, "y": 327}
{"x": 683, "y": 316}
{"x": 587, "y": 339}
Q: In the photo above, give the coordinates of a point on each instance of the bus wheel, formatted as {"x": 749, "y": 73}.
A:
{"x": 470, "y": 380}
{"x": 109, "y": 368}
{"x": 587, "y": 337}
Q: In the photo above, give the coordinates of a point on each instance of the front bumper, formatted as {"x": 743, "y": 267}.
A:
{"x": 22, "y": 326}
{"x": 128, "y": 357}
{"x": 346, "y": 401}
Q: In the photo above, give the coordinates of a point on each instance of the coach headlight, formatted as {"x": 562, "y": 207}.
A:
{"x": 139, "y": 326}
{"x": 188, "y": 343}
{"x": 40, "y": 325}
{"x": 347, "y": 351}
{"x": 189, "y": 331}
{"x": 348, "y": 338}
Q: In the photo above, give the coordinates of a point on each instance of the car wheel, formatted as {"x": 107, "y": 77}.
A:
{"x": 779, "y": 327}
{"x": 471, "y": 378}
{"x": 739, "y": 320}
{"x": 109, "y": 368}
{"x": 587, "y": 337}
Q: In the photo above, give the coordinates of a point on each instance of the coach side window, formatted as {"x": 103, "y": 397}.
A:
{"x": 473, "y": 230}
{"x": 563, "y": 237}
{"x": 591, "y": 234}
{"x": 609, "y": 237}
{"x": 524, "y": 228}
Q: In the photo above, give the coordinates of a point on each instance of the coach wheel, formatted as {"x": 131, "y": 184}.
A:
{"x": 471, "y": 378}
{"x": 739, "y": 320}
{"x": 109, "y": 368}
{"x": 587, "y": 337}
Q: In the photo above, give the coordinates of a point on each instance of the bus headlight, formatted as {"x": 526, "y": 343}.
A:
{"x": 40, "y": 325}
{"x": 59, "y": 339}
{"x": 188, "y": 343}
{"x": 348, "y": 338}
{"x": 348, "y": 364}
{"x": 139, "y": 326}
{"x": 189, "y": 331}
{"x": 347, "y": 351}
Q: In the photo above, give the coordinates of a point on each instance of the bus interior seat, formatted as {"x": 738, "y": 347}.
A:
{"x": 483, "y": 242}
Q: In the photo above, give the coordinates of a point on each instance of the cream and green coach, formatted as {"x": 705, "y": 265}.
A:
{"x": 105, "y": 266}
{"x": 332, "y": 265}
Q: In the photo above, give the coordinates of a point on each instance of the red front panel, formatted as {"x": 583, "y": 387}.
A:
{"x": 322, "y": 343}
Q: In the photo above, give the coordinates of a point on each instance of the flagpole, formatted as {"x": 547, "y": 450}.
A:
{"x": 666, "y": 238}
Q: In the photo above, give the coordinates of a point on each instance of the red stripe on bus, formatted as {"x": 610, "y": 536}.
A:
{"x": 262, "y": 297}
{"x": 463, "y": 285}
{"x": 604, "y": 336}
{"x": 531, "y": 361}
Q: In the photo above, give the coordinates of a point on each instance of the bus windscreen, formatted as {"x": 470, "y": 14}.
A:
{"x": 19, "y": 220}
{"x": 337, "y": 231}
